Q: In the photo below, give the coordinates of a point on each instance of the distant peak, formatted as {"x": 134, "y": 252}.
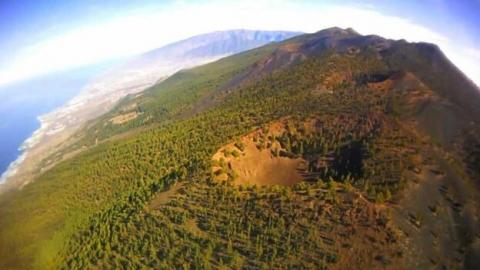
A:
{"x": 335, "y": 31}
{"x": 352, "y": 31}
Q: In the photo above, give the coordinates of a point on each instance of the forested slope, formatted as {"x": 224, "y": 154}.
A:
{"x": 143, "y": 194}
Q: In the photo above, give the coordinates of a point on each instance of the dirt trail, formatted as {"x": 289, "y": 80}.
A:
{"x": 163, "y": 197}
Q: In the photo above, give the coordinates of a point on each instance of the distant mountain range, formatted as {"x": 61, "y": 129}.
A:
{"x": 212, "y": 45}
{"x": 329, "y": 150}
{"x": 131, "y": 77}
{"x": 157, "y": 64}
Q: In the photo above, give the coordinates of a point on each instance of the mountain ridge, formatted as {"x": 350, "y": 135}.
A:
{"x": 378, "y": 151}
{"x": 135, "y": 75}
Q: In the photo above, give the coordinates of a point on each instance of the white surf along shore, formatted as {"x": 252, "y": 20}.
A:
{"x": 132, "y": 77}
{"x": 46, "y": 129}
{"x": 95, "y": 99}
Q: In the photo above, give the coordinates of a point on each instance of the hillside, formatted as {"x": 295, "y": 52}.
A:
{"x": 134, "y": 75}
{"x": 330, "y": 150}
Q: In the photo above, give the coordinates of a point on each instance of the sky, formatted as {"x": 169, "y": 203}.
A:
{"x": 40, "y": 37}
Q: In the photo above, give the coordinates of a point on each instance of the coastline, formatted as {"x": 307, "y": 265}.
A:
{"x": 36, "y": 101}
{"x": 95, "y": 99}
{"x": 112, "y": 81}
{"x": 56, "y": 126}
{"x": 12, "y": 168}
{"x": 30, "y": 142}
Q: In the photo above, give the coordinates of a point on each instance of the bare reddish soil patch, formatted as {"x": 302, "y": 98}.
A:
{"x": 250, "y": 164}
{"x": 123, "y": 118}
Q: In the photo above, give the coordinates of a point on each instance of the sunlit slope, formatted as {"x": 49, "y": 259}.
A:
{"x": 370, "y": 100}
{"x": 426, "y": 62}
{"x": 104, "y": 91}
{"x": 37, "y": 220}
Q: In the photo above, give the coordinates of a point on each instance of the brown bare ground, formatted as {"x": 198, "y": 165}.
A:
{"x": 259, "y": 167}
{"x": 123, "y": 118}
{"x": 363, "y": 242}
{"x": 290, "y": 47}
{"x": 163, "y": 197}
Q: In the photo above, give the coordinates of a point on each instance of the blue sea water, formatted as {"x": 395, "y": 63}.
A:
{"x": 22, "y": 103}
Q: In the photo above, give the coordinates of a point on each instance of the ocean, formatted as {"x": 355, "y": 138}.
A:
{"x": 22, "y": 103}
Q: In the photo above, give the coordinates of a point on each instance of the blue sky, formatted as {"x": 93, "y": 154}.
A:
{"x": 38, "y": 37}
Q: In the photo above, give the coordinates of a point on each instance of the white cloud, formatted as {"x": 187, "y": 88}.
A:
{"x": 467, "y": 59}
{"x": 143, "y": 31}
{"x": 475, "y": 53}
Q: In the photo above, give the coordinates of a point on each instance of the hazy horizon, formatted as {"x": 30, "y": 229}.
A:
{"x": 52, "y": 36}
